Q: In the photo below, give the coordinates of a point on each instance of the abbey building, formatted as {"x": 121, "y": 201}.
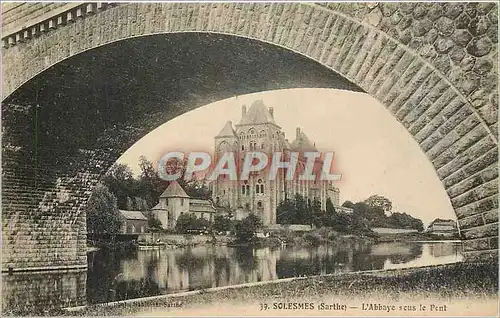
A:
{"x": 258, "y": 131}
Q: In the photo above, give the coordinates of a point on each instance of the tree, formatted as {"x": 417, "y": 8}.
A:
{"x": 246, "y": 228}
{"x": 185, "y": 222}
{"x": 154, "y": 223}
{"x": 285, "y": 212}
{"x": 378, "y": 201}
{"x": 188, "y": 222}
{"x": 120, "y": 181}
{"x": 197, "y": 189}
{"x": 222, "y": 223}
{"x": 150, "y": 185}
{"x": 102, "y": 212}
{"x": 348, "y": 204}
{"x": 329, "y": 206}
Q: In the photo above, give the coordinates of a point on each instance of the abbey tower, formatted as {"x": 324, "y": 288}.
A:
{"x": 258, "y": 131}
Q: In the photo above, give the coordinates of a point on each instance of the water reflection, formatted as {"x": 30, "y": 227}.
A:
{"x": 114, "y": 276}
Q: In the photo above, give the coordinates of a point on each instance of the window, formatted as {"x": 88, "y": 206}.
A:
{"x": 182, "y": 201}
{"x": 262, "y": 133}
{"x": 262, "y": 146}
{"x": 248, "y": 189}
{"x": 253, "y": 145}
{"x": 224, "y": 191}
{"x": 242, "y": 147}
{"x": 166, "y": 202}
{"x": 142, "y": 229}
{"x": 243, "y": 189}
{"x": 259, "y": 204}
{"x": 259, "y": 187}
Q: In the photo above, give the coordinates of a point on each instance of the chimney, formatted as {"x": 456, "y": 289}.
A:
{"x": 297, "y": 133}
{"x": 271, "y": 111}
{"x": 243, "y": 111}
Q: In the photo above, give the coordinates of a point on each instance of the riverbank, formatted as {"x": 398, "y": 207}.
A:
{"x": 412, "y": 237}
{"x": 454, "y": 285}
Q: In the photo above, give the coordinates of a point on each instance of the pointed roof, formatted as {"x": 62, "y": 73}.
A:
{"x": 157, "y": 207}
{"x": 133, "y": 215}
{"x": 227, "y": 131}
{"x": 302, "y": 143}
{"x": 174, "y": 190}
{"x": 257, "y": 114}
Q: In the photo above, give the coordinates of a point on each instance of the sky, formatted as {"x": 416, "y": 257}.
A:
{"x": 373, "y": 152}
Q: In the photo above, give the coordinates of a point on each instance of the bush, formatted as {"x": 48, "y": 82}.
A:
{"x": 246, "y": 228}
{"x": 313, "y": 239}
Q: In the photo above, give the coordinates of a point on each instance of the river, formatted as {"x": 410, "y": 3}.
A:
{"x": 119, "y": 276}
{"x": 115, "y": 276}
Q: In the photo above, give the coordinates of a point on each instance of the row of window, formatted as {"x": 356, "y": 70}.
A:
{"x": 253, "y": 133}
{"x": 131, "y": 228}
{"x": 259, "y": 189}
{"x": 182, "y": 201}
{"x": 253, "y": 146}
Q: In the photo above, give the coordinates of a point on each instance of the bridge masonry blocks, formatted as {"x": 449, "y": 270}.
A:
{"x": 43, "y": 197}
{"x": 459, "y": 39}
{"x": 433, "y": 65}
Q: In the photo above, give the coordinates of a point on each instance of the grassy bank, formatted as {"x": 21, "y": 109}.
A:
{"x": 454, "y": 281}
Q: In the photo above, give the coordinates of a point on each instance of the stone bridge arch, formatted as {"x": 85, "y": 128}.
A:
{"x": 432, "y": 64}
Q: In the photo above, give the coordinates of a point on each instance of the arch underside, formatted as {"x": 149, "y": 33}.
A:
{"x": 87, "y": 109}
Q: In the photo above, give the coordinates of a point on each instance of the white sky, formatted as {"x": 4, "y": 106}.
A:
{"x": 373, "y": 152}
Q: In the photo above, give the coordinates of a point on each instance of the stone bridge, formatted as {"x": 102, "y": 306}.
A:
{"x": 84, "y": 81}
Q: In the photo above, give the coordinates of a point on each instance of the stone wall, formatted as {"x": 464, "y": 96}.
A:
{"x": 42, "y": 293}
{"x": 431, "y": 65}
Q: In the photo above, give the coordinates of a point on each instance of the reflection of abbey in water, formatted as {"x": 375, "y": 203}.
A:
{"x": 258, "y": 131}
{"x": 148, "y": 273}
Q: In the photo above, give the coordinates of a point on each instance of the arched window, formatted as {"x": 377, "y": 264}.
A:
{"x": 252, "y": 131}
{"x": 224, "y": 146}
{"x": 262, "y": 133}
{"x": 242, "y": 147}
{"x": 262, "y": 146}
{"x": 253, "y": 145}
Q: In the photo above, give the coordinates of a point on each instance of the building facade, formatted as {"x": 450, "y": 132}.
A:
{"x": 442, "y": 227}
{"x": 174, "y": 202}
{"x": 133, "y": 222}
{"x": 258, "y": 131}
